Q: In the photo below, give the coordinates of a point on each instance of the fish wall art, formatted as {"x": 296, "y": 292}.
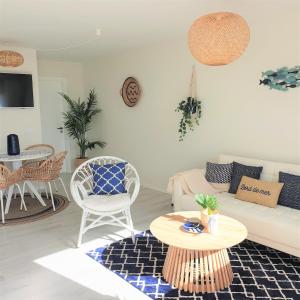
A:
{"x": 282, "y": 79}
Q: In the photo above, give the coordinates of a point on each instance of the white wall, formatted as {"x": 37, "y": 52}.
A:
{"x": 25, "y": 123}
{"x": 239, "y": 116}
{"x": 71, "y": 73}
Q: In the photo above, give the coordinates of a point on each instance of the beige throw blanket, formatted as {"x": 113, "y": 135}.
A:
{"x": 192, "y": 182}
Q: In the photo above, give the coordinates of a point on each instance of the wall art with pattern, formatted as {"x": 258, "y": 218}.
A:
{"x": 282, "y": 79}
{"x": 10, "y": 58}
{"x": 131, "y": 91}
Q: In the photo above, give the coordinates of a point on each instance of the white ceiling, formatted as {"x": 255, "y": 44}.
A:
{"x": 44, "y": 24}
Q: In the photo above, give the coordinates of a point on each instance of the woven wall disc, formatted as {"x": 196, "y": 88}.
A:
{"x": 219, "y": 38}
{"x": 10, "y": 59}
{"x": 131, "y": 91}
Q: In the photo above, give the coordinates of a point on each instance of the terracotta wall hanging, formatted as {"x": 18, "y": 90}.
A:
{"x": 219, "y": 38}
{"x": 131, "y": 91}
{"x": 10, "y": 59}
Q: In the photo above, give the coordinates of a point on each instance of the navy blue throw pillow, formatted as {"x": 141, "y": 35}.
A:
{"x": 109, "y": 179}
{"x": 238, "y": 171}
{"x": 290, "y": 193}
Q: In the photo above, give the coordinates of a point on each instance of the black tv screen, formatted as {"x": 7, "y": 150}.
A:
{"x": 16, "y": 90}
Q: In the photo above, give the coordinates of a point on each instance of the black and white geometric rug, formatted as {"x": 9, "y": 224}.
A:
{"x": 259, "y": 272}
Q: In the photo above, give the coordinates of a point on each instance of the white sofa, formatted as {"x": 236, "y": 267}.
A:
{"x": 277, "y": 227}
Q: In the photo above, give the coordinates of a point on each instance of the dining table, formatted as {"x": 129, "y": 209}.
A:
{"x": 14, "y": 162}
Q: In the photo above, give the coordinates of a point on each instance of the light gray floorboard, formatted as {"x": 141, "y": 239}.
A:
{"x": 39, "y": 261}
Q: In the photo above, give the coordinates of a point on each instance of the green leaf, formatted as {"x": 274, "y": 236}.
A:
{"x": 92, "y": 145}
{"x": 207, "y": 201}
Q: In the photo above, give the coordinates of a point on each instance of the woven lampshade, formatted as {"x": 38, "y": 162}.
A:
{"x": 219, "y": 38}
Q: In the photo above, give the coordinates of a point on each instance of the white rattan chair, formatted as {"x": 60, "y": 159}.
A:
{"x": 101, "y": 210}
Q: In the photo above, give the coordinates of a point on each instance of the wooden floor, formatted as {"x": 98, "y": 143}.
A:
{"x": 39, "y": 261}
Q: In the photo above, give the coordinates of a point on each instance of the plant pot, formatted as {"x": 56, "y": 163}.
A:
{"x": 79, "y": 161}
{"x": 204, "y": 218}
{"x": 213, "y": 223}
{"x": 194, "y": 109}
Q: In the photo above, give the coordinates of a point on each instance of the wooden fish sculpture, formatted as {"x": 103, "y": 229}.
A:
{"x": 282, "y": 79}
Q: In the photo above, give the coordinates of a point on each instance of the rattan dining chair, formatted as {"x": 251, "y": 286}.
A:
{"x": 47, "y": 172}
{"x": 10, "y": 179}
{"x": 41, "y": 147}
{"x": 101, "y": 210}
{"x": 36, "y": 162}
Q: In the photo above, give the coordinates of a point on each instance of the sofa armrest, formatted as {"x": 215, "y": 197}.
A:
{"x": 178, "y": 191}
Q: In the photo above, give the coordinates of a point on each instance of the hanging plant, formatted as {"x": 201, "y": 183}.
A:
{"x": 191, "y": 113}
{"x": 190, "y": 110}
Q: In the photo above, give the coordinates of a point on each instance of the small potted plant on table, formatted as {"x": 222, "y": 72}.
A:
{"x": 209, "y": 214}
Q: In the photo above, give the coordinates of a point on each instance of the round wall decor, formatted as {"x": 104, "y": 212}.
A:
{"x": 10, "y": 58}
{"x": 218, "y": 38}
{"x": 131, "y": 91}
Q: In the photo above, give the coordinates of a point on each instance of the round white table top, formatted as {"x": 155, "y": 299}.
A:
{"x": 168, "y": 229}
{"x": 24, "y": 155}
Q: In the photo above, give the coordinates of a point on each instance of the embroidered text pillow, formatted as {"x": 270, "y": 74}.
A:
{"x": 258, "y": 191}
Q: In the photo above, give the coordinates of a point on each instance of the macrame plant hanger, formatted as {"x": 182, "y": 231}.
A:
{"x": 190, "y": 109}
{"x": 193, "y": 84}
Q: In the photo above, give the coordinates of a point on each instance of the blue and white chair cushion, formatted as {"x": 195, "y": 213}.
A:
{"x": 109, "y": 179}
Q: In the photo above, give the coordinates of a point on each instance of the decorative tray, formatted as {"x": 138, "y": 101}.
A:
{"x": 192, "y": 227}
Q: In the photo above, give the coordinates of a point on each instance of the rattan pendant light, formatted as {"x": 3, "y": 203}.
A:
{"x": 219, "y": 38}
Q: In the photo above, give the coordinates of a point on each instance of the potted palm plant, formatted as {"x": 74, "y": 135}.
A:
{"x": 209, "y": 213}
{"x": 77, "y": 122}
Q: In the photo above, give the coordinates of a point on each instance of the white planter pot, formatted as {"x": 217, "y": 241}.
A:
{"x": 213, "y": 223}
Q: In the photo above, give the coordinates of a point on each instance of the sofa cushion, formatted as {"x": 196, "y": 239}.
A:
{"x": 259, "y": 191}
{"x": 240, "y": 170}
{"x": 219, "y": 175}
{"x": 264, "y": 224}
{"x": 280, "y": 224}
{"x": 106, "y": 202}
{"x": 290, "y": 194}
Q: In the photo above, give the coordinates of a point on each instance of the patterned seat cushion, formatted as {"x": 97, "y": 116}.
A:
{"x": 107, "y": 202}
{"x": 238, "y": 171}
{"x": 290, "y": 193}
{"x": 109, "y": 179}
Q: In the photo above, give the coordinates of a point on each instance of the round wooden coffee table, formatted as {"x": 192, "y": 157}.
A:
{"x": 197, "y": 262}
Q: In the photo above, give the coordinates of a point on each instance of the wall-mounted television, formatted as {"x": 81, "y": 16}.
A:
{"x": 16, "y": 90}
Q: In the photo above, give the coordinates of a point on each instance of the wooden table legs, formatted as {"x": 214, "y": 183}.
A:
{"x": 198, "y": 271}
